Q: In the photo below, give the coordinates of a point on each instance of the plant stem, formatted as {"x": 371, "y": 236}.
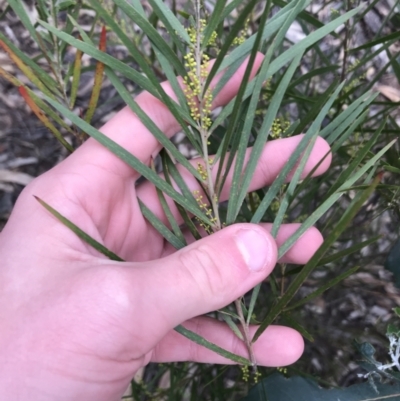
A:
{"x": 210, "y": 185}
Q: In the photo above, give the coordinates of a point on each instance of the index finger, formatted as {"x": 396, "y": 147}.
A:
{"x": 126, "y": 129}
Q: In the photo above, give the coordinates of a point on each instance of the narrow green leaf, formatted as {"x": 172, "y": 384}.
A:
{"x": 81, "y": 234}
{"x": 314, "y": 73}
{"x": 232, "y": 325}
{"x": 321, "y": 210}
{"x": 344, "y": 221}
{"x": 253, "y": 299}
{"x": 323, "y": 288}
{"x": 138, "y": 7}
{"x": 129, "y": 159}
{"x": 335, "y": 128}
{"x": 108, "y": 60}
{"x": 356, "y": 161}
{"x": 213, "y": 21}
{"x": 215, "y": 348}
{"x": 316, "y": 108}
{"x": 237, "y": 26}
{"x": 348, "y": 251}
{"x": 288, "y": 320}
{"x": 251, "y": 113}
{"x": 83, "y": 35}
{"x": 169, "y": 19}
{"x": 168, "y": 213}
{"x": 304, "y": 15}
{"x": 170, "y": 170}
{"x": 149, "y": 123}
{"x": 157, "y": 40}
{"x": 161, "y": 227}
{"x": 20, "y": 11}
{"x": 262, "y": 136}
{"x": 372, "y": 43}
{"x": 291, "y": 187}
{"x": 182, "y": 115}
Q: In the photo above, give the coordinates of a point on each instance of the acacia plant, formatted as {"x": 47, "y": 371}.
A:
{"x": 182, "y": 44}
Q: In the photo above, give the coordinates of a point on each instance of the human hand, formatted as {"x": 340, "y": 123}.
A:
{"x": 77, "y": 326}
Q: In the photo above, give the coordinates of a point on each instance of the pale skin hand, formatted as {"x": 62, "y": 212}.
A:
{"x": 77, "y": 326}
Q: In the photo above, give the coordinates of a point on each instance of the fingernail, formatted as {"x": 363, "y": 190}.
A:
{"x": 254, "y": 247}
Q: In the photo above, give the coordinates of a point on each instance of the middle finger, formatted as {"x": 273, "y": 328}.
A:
{"x": 273, "y": 158}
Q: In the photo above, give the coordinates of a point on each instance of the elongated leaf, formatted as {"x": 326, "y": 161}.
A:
{"x": 301, "y": 46}
{"x": 43, "y": 118}
{"x": 344, "y": 221}
{"x": 10, "y": 78}
{"x": 382, "y": 39}
{"x": 251, "y": 111}
{"x": 288, "y": 55}
{"x": 316, "y": 108}
{"x": 232, "y": 325}
{"x": 157, "y": 40}
{"x": 356, "y": 161}
{"x": 249, "y": 115}
{"x": 149, "y": 123}
{"x": 213, "y": 21}
{"x": 321, "y": 210}
{"x": 168, "y": 213}
{"x": 98, "y": 79}
{"x": 323, "y": 288}
{"x": 82, "y": 34}
{"x": 215, "y": 348}
{"x": 170, "y": 170}
{"x": 108, "y": 60}
{"x": 333, "y": 130}
{"x": 20, "y": 11}
{"x": 181, "y": 114}
{"x": 39, "y": 102}
{"x": 81, "y": 234}
{"x": 129, "y": 159}
{"x": 289, "y": 320}
{"x": 291, "y": 187}
{"x": 160, "y": 226}
{"x": 348, "y": 251}
{"x": 227, "y": 44}
{"x": 25, "y": 69}
{"x": 169, "y": 19}
{"x": 263, "y": 134}
{"x": 253, "y": 299}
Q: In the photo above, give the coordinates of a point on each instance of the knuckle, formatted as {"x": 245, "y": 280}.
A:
{"x": 202, "y": 265}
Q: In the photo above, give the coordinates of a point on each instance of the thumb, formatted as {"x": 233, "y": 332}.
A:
{"x": 208, "y": 274}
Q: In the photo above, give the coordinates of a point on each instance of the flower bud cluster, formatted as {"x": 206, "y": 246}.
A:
{"x": 208, "y": 211}
{"x": 279, "y": 127}
{"x": 242, "y": 34}
{"x": 198, "y": 66}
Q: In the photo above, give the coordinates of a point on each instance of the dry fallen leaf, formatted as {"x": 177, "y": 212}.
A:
{"x": 393, "y": 94}
{"x": 15, "y": 177}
